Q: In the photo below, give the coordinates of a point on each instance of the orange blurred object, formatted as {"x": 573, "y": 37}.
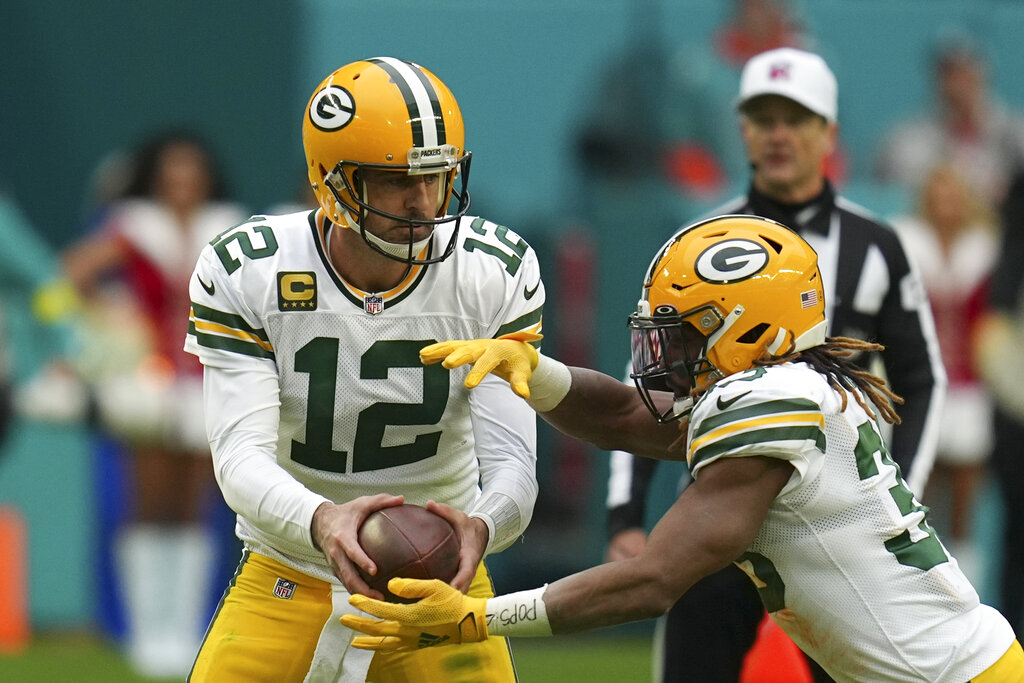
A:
{"x": 694, "y": 169}
{"x": 774, "y": 658}
{"x": 14, "y": 628}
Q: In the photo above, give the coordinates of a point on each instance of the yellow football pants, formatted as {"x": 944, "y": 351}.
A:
{"x": 269, "y": 622}
{"x": 1008, "y": 669}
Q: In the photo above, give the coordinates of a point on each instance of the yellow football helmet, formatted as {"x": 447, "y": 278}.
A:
{"x": 389, "y": 114}
{"x": 723, "y": 294}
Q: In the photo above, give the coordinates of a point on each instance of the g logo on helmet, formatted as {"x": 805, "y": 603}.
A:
{"x": 731, "y": 261}
{"x": 332, "y": 108}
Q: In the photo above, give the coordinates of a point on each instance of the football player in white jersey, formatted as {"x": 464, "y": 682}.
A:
{"x": 318, "y": 409}
{"x": 792, "y": 481}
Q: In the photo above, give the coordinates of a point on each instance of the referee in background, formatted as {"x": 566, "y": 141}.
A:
{"x": 788, "y": 107}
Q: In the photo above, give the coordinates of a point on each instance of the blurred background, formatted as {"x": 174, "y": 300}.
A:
{"x": 597, "y": 127}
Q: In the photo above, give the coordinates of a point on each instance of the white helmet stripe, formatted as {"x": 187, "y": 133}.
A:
{"x": 424, "y": 108}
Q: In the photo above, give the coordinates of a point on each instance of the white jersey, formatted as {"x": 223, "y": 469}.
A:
{"x": 845, "y": 562}
{"x": 358, "y": 413}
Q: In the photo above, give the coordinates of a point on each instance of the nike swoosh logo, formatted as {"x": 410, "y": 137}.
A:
{"x": 723, "y": 405}
{"x": 528, "y": 293}
{"x": 210, "y": 289}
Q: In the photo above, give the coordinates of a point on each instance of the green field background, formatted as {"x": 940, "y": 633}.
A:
{"x": 606, "y": 657}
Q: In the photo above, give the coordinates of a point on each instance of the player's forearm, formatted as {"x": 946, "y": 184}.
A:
{"x": 506, "y": 518}
{"x": 243, "y": 418}
{"x": 609, "y": 414}
{"x": 256, "y": 487}
{"x": 706, "y": 529}
{"x": 505, "y": 431}
{"x": 603, "y": 596}
{"x": 606, "y": 595}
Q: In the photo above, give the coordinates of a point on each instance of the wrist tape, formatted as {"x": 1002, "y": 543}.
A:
{"x": 518, "y": 614}
{"x": 549, "y": 384}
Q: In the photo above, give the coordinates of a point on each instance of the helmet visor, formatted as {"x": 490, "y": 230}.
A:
{"x": 668, "y": 355}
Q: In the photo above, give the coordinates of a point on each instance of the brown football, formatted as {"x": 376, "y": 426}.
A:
{"x": 408, "y": 541}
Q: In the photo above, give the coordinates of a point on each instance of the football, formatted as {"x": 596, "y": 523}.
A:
{"x": 408, "y": 541}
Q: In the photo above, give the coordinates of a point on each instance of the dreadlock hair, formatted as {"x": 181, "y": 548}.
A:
{"x": 833, "y": 360}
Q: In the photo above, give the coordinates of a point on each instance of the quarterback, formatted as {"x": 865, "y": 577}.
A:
{"x": 792, "y": 481}
{"x": 318, "y": 409}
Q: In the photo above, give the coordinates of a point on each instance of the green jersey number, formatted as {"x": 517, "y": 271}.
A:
{"x": 924, "y": 553}
{"x": 319, "y": 359}
{"x": 513, "y": 258}
{"x": 220, "y": 244}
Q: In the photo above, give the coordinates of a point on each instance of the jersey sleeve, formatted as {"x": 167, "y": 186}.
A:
{"x": 504, "y": 426}
{"x": 224, "y": 331}
{"x": 755, "y": 414}
{"x": 505, "y": 431}
{"x": 240, "y": 385}
{"x": 243, "y": 414}
{"x": 522, "y": 308}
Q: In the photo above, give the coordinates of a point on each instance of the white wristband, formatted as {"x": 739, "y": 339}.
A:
{"x": 518, "y": 614}
{"x": 549, "y": 384}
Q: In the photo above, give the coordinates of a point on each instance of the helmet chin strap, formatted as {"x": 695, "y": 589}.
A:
{"x": 399, "y": 251}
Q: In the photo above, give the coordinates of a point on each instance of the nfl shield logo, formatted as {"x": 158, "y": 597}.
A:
{"x": 373, "y": 304}
{"x": 284, "y": 589}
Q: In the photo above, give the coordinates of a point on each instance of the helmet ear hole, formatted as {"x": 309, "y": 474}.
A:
{"x": 773, "y": 244}
{"x": 753, "y": 334}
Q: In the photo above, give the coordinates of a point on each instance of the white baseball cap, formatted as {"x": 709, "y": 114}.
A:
{"x": 801, "y": 76}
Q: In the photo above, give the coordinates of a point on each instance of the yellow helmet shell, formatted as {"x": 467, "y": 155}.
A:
{"x": 384, "y": 113}
{"x": 750, "y": 285}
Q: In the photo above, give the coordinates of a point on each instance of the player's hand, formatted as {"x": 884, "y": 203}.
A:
{"x": 510, "y": 357}
{"x": 442, "y": 616}
{"x": 473, "y": 537}
{"x": 335, "y": 531}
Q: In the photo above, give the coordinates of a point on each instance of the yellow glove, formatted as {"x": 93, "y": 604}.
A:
{"x": 442, "y": 616}
{"x": 510, "y": 357}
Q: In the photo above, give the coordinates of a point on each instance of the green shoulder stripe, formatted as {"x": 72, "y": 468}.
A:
{"x": 796, "y": 405}
{"x": 228, "y": 332}
{"x": 231, "y": 320}
{"x": 759, "y": 436}
{"x": 232, "y": 344}
{"x": 523, "y": 322}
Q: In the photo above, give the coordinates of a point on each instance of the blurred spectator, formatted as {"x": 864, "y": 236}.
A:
{"x": 677, "y": 104}
{"x": 658, "y": 139}
{"x": 1000, "y": 356}
{"x": 132, "y": 274}
{"x": 967, "y": 127}
{"x": 952, "y": 239}
{"x": 756, "y": 26}
{"x": 702, "y": 81}
{"x": 31, "y": 334}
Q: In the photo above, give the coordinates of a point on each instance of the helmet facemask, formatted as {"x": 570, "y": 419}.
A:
{"x": 670, "y": 355}
{"x": 351, "y": 199}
